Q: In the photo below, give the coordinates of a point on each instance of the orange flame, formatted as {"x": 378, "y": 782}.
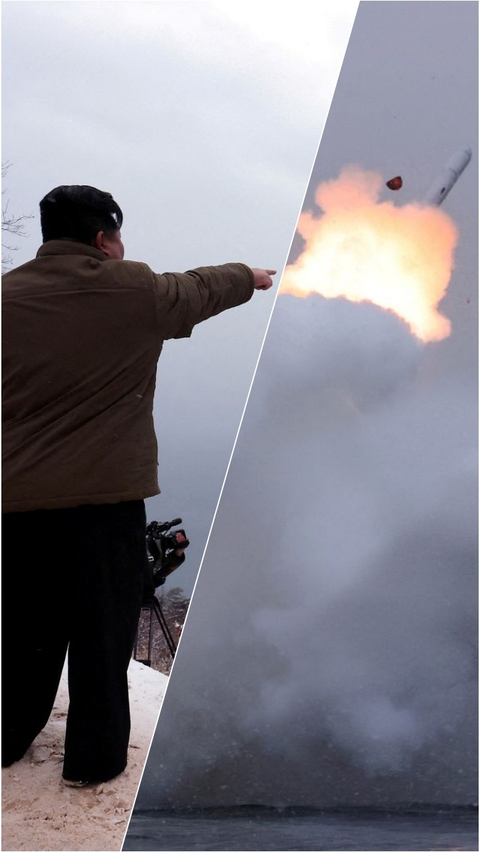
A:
{"x": 400, "y": 258}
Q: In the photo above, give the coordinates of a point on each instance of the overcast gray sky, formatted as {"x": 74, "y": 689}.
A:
{"x": 328, "y": 657}
{"x": 203, "y": 120}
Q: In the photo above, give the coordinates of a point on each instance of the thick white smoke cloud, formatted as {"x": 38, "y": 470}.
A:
{"x": 329, "y": 656}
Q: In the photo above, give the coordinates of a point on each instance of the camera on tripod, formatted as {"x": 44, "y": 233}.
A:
{"x": 161, "y": 547}
{"x": 162, "y": 561}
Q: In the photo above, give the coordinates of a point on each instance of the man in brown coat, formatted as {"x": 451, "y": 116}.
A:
{"x": 82, "y": 333}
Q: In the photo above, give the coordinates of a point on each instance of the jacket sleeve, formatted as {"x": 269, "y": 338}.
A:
{"x": 185, "y": 299}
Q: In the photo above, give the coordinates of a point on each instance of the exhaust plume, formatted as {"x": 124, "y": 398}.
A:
{"x": 361, "y": 249}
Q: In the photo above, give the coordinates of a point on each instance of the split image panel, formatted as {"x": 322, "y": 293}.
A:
{"x": 202, "y": 119}
{"x": 325, "y": 687}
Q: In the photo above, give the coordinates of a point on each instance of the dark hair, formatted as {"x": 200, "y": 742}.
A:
{"x": 78, "y": 213}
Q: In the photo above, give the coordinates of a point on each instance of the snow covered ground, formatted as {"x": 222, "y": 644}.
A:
{"x": 40, "y": 813}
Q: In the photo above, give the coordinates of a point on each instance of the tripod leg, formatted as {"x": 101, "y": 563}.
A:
{"x": 164, "y": 627}
{"x": 150, "y": 626}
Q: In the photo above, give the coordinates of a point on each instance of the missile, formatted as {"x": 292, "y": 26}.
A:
{"x": 448, "y": 177}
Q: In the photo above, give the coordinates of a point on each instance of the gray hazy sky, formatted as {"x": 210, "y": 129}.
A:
{"x": 328, "y": 656}
{"x": 202, "y": 119}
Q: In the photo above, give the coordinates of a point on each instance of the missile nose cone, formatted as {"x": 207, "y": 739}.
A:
{"x": 448, "y": 176}
{"x": 459, "y": 160}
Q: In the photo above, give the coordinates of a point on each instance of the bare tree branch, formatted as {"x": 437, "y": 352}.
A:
{"x": 11, "y": 224}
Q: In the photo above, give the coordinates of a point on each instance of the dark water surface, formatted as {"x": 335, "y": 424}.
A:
{"x": 261, "y": 829}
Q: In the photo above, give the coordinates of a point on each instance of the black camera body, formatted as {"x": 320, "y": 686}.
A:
{"x": 161, "y": 546}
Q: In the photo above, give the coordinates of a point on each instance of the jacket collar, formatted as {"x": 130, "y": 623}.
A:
{"x": 66, "y": 247}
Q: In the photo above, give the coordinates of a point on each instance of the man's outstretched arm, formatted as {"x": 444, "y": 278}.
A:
{"x": 186, "y": 299}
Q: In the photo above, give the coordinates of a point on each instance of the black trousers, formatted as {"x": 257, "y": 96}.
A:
{"x": 72, "y": 578}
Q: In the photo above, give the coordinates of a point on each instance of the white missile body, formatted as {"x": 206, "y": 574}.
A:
{"x": 448, "y": 177}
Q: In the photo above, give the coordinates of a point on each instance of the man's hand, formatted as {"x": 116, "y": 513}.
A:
{"x": 261, "y": 278}
{"x": 179, "y": 537}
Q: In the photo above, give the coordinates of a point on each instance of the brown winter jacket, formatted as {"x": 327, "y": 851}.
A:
{"x": 81, "y": 338}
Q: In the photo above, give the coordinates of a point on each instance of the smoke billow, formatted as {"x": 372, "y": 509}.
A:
{"x": 329, "y": 655}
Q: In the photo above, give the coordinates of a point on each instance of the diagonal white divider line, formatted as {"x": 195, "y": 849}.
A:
{"x": 239, "y": 428}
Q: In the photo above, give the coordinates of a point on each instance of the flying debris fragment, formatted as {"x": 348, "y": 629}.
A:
{"x": 448, "y": 177}
{"x": 395, "y": 183}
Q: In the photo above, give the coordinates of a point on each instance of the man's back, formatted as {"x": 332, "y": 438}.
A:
{"x": 82, "y": 337}
{"x": 81, "y": 345}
